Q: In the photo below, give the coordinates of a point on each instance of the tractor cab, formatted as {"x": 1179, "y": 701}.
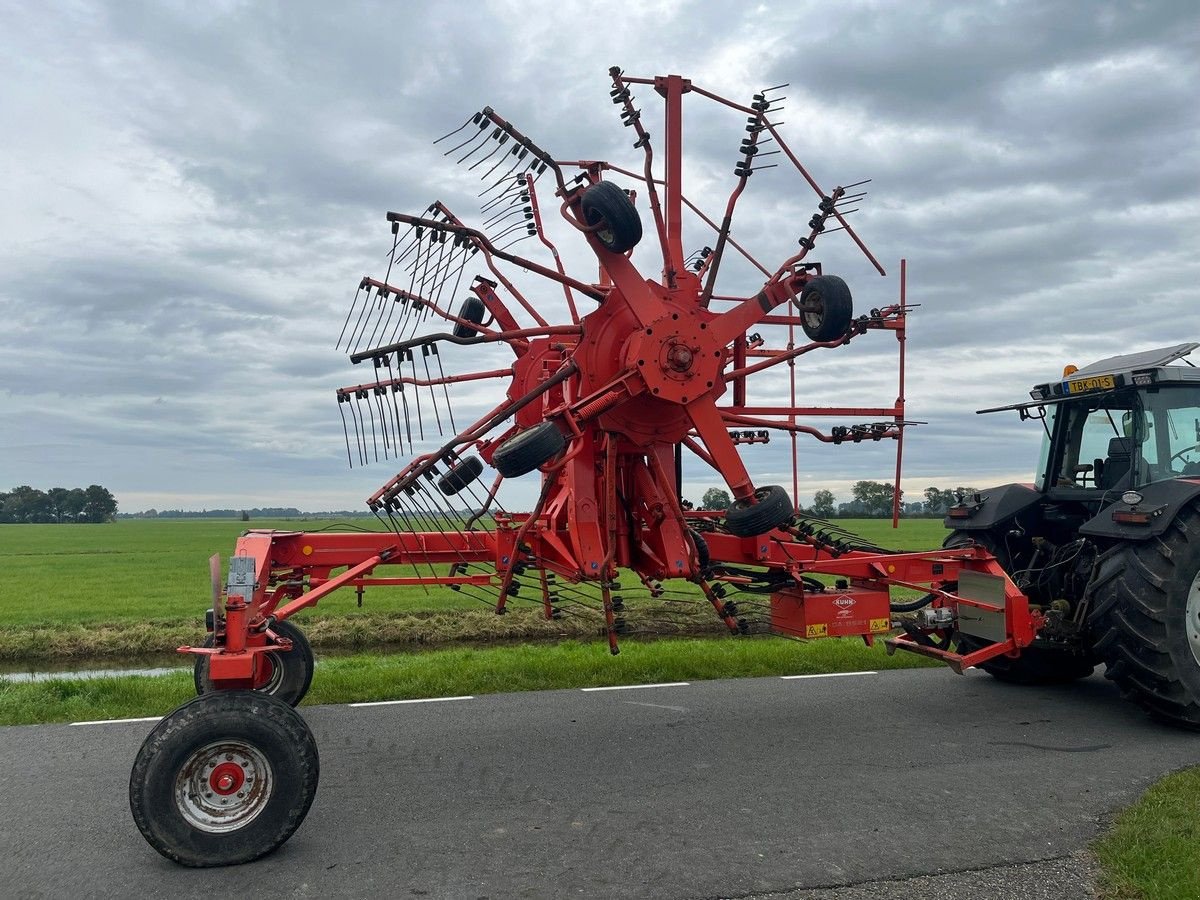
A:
{"x": 1117, "y": 425}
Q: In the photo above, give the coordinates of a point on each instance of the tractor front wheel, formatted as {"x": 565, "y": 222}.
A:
{"x": 224, "y": 779}
{"x": 1144, "y": 611}
{"x": 287, "y": 673}
{"x": 1040, "y": 663}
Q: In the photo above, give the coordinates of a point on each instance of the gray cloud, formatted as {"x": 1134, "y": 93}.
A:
{"x": 191, "y": 195}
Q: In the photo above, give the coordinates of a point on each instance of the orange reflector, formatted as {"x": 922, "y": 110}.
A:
{"x": 307, "y": 550}
{"x": 1069, "y": 370}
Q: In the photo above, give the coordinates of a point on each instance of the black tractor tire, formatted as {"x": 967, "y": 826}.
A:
{"x": 472, "y": 310}
{"x": 1144, "y": 613}
{"x": 607, "y": 205}
{"x": 826, "y": 308}
{"x": 291, "y": 670}
{"x": 528, "y": 449}
{"x": 771, "y": 508}
{"x": 459, "y": 475}
{"x": 1042, "y": 662}
{"x": 224, "y": 779}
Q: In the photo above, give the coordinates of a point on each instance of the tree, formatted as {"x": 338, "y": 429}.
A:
{"x": 73, "y": 505}
{"x": 99, "y": 505}
{"x": 715, "y": 498}
{"x": 823, "y": 506}
{"x": 937, "y": 501}
{"x": 26, "y": 504}
{"x": 875, "y": 497}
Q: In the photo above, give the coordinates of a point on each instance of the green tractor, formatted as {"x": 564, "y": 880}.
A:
{"x": 1107, "y": 541}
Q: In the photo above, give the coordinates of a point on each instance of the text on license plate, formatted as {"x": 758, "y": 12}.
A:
{"x": 1090, "y": 384}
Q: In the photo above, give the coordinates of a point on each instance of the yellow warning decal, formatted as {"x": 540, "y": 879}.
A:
{"x": 880, "y": 625}
{"x": 816, "y": 630}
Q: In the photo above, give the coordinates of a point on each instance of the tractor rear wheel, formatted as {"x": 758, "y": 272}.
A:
{"x": 1042, "y": 662}
{"x": 224, "y": 779}
{"x": 1144, "y": 611}
{"x": 289, "y": 672}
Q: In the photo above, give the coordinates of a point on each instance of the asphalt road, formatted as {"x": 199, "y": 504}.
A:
{"x": 714, "y": 789}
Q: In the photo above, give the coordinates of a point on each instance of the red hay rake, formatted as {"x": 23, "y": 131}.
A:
{"x": 602, "y": 409}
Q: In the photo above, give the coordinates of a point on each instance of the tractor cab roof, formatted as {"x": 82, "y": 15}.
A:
{"x": 1132, "y": 369}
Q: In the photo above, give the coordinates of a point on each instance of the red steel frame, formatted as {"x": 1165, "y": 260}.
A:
{"x": 627, "y": 384}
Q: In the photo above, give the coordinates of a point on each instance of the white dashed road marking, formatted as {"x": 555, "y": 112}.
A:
{"x": 825, "y": 675}
{"x": 635, "y": 687}
{"x": 399, "y": 702}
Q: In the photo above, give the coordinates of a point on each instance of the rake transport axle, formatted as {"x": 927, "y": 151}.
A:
{"x": 598, "y": 415}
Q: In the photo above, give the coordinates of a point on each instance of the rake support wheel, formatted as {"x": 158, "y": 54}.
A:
{"x": 528, "y": 449}
{"x": 826, "y": 308}
{"x": 289, "y": 673}
{"x": 771, "y": 508}
{"x": 461, "y": 474}
{"x": 224, "y": 779}
{"x": 607, "y": 205}
{"x": 472, "y": 310}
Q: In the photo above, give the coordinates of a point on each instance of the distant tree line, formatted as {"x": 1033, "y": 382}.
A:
{"x": 869, "y": 500}
{"x": 257, "y": 512}
{"x": 25, "y": 505}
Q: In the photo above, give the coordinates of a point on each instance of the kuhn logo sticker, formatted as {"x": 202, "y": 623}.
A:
{"x": 843, "y": 601}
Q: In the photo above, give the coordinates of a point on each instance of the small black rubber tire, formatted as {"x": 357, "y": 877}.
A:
{"x": 771, "y": 508}
{"x": 472, "y": 310}
{"x": 1138, "y": 611}
{"x": 826, "y": 308}
{"x": 243, "y": 719}
{"x": 1042, "y": 662}
{"x": 528, "y": 449}
{"x": 291, "y": 674}
{"x": 605, "y": 203}
{"x": 459, "y": 475}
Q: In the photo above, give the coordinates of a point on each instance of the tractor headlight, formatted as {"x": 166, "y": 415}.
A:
{"x": 1132, "y": 498}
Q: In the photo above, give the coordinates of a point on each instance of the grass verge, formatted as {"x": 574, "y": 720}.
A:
{"x": 448, "y": 673}
{"x": 1152, "y": 851}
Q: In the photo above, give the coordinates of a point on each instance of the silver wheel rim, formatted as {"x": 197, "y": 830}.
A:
{"x": 223, "y": 786}
{"x": 1193, "y": 618}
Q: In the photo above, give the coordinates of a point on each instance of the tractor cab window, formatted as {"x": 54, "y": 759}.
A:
{"x": 1172, "y": 441}
{"x": 1101, "y": 443}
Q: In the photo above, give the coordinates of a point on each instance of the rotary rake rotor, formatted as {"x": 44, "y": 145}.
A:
{"x": 593, "y": 388}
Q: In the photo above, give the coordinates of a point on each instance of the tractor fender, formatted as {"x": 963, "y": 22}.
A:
{"x": 1168, "y": 497}
{"x": 998, "y": 504}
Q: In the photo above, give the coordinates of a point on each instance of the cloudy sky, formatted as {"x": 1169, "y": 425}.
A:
{"x": 190, "y": 193}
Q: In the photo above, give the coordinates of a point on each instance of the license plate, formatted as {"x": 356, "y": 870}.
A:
{"x": 1090, "y": 384}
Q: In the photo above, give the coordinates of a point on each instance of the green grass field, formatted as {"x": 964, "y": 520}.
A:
{"x": 136, "y": 587}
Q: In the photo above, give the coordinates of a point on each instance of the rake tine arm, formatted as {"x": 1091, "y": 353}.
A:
{"x": 505, "y": 336}
{"x": 481, "y": 240}
{"x": 445, "y": 379}
{"x": 784, "y": 356}
{"x": 621, "y": 92}
{"x": 546, "y": 242}
{"x": 542, "y": 156}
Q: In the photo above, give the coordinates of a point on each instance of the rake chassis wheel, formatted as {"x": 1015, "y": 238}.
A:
{"x": 224, "y": 779}
{"x": 287, "y": 674}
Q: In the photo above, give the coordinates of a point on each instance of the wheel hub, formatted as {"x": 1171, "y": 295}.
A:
{"x": 223, "y": 786}
{"x": 1193, "y": 618}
